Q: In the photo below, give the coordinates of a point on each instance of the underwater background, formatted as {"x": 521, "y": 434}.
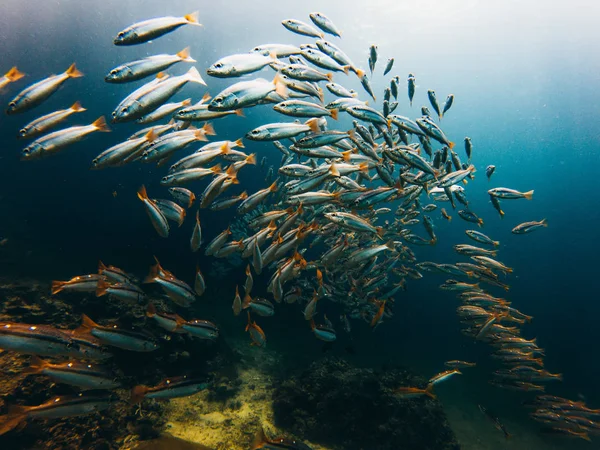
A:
{"x": 526, "y": 78}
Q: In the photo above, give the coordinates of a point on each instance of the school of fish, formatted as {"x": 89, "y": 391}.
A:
{"x": 338, "y": 224}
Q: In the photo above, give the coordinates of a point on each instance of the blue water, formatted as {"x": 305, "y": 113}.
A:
{"x": 526, "y": 82}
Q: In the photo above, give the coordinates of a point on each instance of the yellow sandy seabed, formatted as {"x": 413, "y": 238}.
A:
{"x": 229, "y": 425}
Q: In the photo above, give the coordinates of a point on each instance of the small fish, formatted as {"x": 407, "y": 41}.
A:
{"x": 302, "y": 28}
{"x": 116, "y": 337}
{"x": 325, "y": 24}
{"x": 45, "y": 123}
{"x": 55, "y": 408}
{"x": 367, "y": 86}
{"x": 122, "y": 291}
{"x": 38, "y": 92}
{"x": 178, "y": 291}
{"x": 496, "y": 204}
{"x": 445, "y": 215}
{"x": 388, "y": 66}
{"x": 262, "y": 441}
{"x": 499, "y": 426}
{"x": 259, "y": 306}
{"x": 10, "y": 77}
{"x": 482, "y": 238}
{"x": 413, "y": 392}
{"x": 457, "y": 364}
{"x": 157, "y": 218}
{"x": 528, "y": 227}
{"x": 443, "y": 376}
{"x": 510, "y": 194}
{"x": 372, "y": 57}
{"x": 247, "y": 93}
{"x": 489, "y": 171}
{"x": 199, "y": 283}
{"x": 169, "y": 388}
{"x": 147, "y": 30}
{"x": 171, "y": 210}
{"x": 256, "y": 333}
{"x": 137, "y": 70}
{"x": 300, "y": 108}
{"x": 242, "y": 64}
{"x": 237, "y": 302}
{"x": 411, "y": 87}
{"x": 470, "y": 217}
{"x": 434, "y": 102}
{"x": 323, "y": 332}
{"x": 166, "y": 321}
{"x": 35, "y": 340}
{"x": 82, "y": 375}
{"x": 202, "y": 329}
{"x": 184, "y": 196}
{"x": 447, "y": 105}
{"x": 469, "y": 150}
{"x": 82, "y": 283}
{"x": 58, "y": 140}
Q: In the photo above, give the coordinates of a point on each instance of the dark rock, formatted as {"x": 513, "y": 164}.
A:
{"x": 350, "y": 408}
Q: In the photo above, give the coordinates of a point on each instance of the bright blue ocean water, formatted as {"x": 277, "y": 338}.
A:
{"x": 525, "y": 77}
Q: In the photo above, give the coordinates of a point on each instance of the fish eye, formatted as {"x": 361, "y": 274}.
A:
{"x": 218, "y": 65}
{"x": 121, "y": 34}
{"x": 114, "y": 114}
{"x": 12, "y": 104}
{"x": 254, "y": 132}
{"x": 124, "y": 110}
{"x": 113, "y": 72}
{"x": 23, "y": 132}
{"x": 26, "y": 151}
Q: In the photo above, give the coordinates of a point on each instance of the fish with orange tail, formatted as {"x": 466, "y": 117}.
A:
{"x": 169, "y": 388}
{"x": 261, "y": 440}
{"x": 256, "y": 333}
{"x": 413, "y": 392}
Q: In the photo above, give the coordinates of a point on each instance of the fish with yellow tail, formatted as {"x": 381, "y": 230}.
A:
{"x": 54, "y": 142}
{"x": 147, "y": 30}
{"x": 157, "y": 218}
{"x": 169, "y": 388}
{"x": 10, "y": 77}
{"x": 37, "y": 93}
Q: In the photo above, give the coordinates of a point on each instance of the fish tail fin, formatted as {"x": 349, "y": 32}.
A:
{"x": 280, "y": 86}
{"x": 142, "y": 194}
{"x": 87, "y": 324}
{"x": 73, "y": 72}
{"x": 153, "y": 274}
{"x": 200, "y": 134}
{"x": 100, "y": 124}
{"x": 194, "y": 76}
{"x": 380, "y": 232}
{"x": 151, "y": 136}
{"x": 495, "y": 243}
{"x": 544, "y": 222}
{"x": 193, "y": 18}
{"x": 346, "y": 69}
{"x": 249, "y": 322}
{"x": 101, "y": 288}
{"x": 528, "y": 195}
{"x": 334, "y": 114}
{"x": 313, "y": 124}
{"x": 359, "y": 73}
{"x": 333, "y": 170}
{"x": 239, "y": 112}
{"x": 429, "y": 391}
{"x": 36, "y": 365}
{"x": 347, "y": 155}
{"x": 186, "y": 102}
{"x": 150, "y": 310}
{"x": 246, "y": 302}
{"x": 77, "y": 107}
{"x": 329, "y": 76}
{"x": 273, "y": 187}
{"x": 259, "y": 439}
{"x": 239, "y": 143}
{"x": 57, "y": 286}
{"x": 138, "y": 393}
{"x": 451, "y": 145}
{"x": 101, "y": 267}
{"x": 16, "y": 415}
{"x": 364, "y": 167}
{"x": 14, "y": 74}
{"x": 206, "y": 97}
{"x": 251, "y": 159}
{"x": 184, "y": 55}
{"x": 209, "y": 129}
{"x": 243, "y": 195}
{"x": 321, "y": 95}
{"x": 216, "y": 169}
{"x": 480, "y": 223}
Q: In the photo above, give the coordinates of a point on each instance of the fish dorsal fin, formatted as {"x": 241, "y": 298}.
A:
{"x": 86, "y": 326}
